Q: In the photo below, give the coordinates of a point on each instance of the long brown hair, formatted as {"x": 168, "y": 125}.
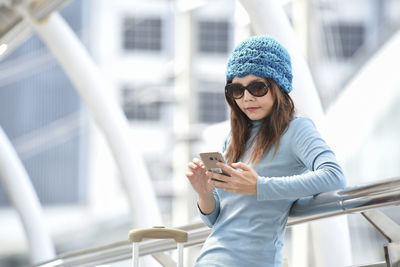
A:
{"x": 270, "y": 132}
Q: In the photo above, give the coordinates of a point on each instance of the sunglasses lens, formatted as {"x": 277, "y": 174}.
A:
{"x": 237, "y": 91}
{"x": 258, "y": 88}
{"x": 234, "y": 90}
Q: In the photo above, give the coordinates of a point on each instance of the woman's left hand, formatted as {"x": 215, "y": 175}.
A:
{"x": 243, "y": 181}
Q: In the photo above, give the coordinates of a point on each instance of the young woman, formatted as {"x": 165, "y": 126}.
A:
{"x": 273, "y": 158}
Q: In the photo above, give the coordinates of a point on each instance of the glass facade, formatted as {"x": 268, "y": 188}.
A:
{"x": 41, "y": 113}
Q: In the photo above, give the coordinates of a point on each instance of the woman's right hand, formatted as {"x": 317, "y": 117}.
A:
{"x": 199, "y": 179}
{"x": 202, "y": 185}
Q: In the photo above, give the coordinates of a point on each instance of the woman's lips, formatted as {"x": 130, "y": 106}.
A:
{"x": 252, "y": 108}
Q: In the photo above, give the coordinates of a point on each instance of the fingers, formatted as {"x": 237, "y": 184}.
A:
{"x": 220, "y": 185}
{"x": 192, "y": 165}
{"x": 227, "y": 169}
{"x": 242, "y": 166}
{"x": 197, "y": 162}
{"x": 217, "y": 176}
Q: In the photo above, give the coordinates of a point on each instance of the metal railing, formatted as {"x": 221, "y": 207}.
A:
{"x": 349, "y": 200}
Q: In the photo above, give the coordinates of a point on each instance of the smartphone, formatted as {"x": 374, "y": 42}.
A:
{"x": 210, "y": 160}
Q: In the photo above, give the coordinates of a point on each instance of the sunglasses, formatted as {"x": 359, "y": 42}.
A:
{"x": 236, "y": 90}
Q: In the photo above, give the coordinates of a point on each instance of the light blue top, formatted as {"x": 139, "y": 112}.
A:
{"x": 249, "y": 230}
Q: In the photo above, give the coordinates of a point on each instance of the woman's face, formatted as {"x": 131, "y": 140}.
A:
{"x": 256, "y": 108}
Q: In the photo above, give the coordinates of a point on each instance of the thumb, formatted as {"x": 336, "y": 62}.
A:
{"x": 242, "y": 166}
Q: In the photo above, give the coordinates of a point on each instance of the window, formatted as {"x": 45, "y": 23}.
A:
{"x": 211, "y": 103}
{"x": 345, "y": 39}
{"x": 144, "y": 34}
{"x": 136, "y": 107}
{"x": 214, "y": 37}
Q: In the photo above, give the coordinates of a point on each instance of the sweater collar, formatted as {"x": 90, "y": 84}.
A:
{"x": 256, "y": 123}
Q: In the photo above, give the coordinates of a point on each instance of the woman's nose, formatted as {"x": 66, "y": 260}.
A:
{"x": 247, "y": 96}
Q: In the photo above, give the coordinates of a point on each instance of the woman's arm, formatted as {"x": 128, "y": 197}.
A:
{"x": 206, "y": 203}
{"x": 312, "y": 151}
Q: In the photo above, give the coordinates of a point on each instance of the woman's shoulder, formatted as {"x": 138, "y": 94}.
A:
{"x": 300, "y": 122}
{"x": 300, "y": 126}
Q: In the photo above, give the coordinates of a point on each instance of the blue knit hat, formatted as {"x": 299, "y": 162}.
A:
{"x": 264, "y": 57}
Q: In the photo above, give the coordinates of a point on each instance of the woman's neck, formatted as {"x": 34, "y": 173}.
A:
{"x": 256, "y": 123}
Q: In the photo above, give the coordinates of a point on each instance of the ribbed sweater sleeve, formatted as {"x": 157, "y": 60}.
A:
{"x": 310, "y": 150}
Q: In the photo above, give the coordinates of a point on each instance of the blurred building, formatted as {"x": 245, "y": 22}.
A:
{"x": 61, "y": 148}
{"x": 133, "y": 43}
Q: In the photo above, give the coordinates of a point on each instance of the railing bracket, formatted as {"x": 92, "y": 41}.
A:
{"x": 391, "y": 231}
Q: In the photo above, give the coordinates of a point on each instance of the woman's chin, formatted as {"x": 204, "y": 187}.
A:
{"x": 254, "y": 117}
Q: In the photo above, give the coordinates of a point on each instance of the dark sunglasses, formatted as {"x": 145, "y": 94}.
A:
{"x": 236, "y": 90}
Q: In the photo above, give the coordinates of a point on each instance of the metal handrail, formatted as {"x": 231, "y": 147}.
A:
{"x": 352, "y": 199}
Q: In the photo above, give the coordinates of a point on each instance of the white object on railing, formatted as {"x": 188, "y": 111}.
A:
{"x": 18, "y": 187}
{"x": 157, "y": 232}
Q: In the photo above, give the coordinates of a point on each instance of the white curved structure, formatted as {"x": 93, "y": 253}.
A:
{"x": 268, "y": 17}
{"x": 366, "y": 98}
{"x": 97, "y": 92}
{"x": 21, "y": 193}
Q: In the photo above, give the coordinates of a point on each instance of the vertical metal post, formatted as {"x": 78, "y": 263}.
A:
{"x": 301, "y": 16}
{"x": 184, "y": 199}
{"x": 182, "y": 206}
{"x": 180, "y": 254}
{"x": 135, "y": 254}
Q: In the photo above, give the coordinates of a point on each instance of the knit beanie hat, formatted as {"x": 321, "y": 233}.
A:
{"x": 264, "y": 57}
